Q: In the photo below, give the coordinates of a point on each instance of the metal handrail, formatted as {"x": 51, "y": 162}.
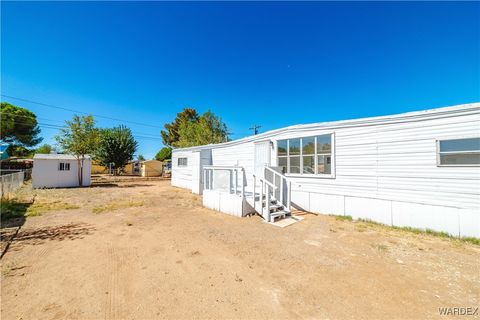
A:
{"x": 208, "y": 179}
{"x": 268, "y": 182}
{"x": 222, "y": 167}
{"x": 288, "y": 184}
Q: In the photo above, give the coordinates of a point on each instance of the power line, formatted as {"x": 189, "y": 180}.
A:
{"x": 62, "y": 127}
{"x": 57, "y": 127}
{"x": 77, "y": 111}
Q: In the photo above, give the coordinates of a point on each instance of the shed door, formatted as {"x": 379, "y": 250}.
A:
{"x": 262, "y": 157}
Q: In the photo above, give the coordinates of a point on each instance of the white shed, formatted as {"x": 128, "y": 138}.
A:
{"x": 59, "y": 171}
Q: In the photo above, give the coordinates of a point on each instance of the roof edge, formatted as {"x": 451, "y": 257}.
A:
{"x": 441, "y": 112}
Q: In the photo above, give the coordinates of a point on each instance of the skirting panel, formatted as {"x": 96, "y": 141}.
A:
{"x": 455, "y": 221}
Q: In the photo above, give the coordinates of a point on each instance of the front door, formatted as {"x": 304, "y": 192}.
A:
{"x": 262, "y": 157}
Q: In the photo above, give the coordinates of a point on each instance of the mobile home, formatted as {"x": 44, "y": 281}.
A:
{"x": 418, "y": 169}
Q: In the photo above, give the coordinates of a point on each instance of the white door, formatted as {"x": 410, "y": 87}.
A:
{"x": 262, "y": 157}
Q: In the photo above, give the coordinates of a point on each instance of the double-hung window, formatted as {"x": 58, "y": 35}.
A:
{"x": 306, "y": 155}
{"x": 64, "y": 166}
{"x": 459, "y": 152}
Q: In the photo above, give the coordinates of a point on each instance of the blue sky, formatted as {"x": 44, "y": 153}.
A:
{"x": 273, "y": 64}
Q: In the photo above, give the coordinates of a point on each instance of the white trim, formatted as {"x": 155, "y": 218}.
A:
{"x": 330, "y": 175}
{"x": 438, "y": 153}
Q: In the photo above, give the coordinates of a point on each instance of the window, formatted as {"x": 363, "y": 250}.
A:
{"x": 306, "y": 155}
{"x": 182, "y": 162}
{"x": 459, "y": 152}
{"x": 64, "y": 166}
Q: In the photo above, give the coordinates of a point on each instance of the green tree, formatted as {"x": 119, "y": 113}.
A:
{"x": 46, "y": 148}
{"x": 117, "y": 147}
{"x": 164, "y": 154}
{"x": 140, "y": 157}
{"x": 208, "y": 129}
{"x": 79, "y": 137}
{"x": 19, "y": 151}
{"x": 18, "y": 126}
{"x": 171, "y": 135}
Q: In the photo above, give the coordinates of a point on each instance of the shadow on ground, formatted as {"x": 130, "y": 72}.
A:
{"x": 63, "y": 232}
{"x": 114, "y": 185}
{"x": 13, "y": 212}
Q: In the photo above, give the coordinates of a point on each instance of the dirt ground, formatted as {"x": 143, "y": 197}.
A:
{"x": 146, "y": 250}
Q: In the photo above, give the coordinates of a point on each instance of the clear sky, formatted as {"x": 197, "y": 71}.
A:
{"x": 272, "y": 64}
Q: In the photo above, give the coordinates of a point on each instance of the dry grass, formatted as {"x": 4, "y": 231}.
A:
{"x": 14, "y": 208}
{"x": 116, "y": 205}
{"x": 37, "y": 208}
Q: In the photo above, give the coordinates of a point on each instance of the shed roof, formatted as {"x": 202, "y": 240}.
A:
{"x": 56, "y": 156}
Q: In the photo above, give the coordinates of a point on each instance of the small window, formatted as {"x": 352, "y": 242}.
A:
{"x": 459, "y": 152}
{"x": 64, "y": 166}
{"x": 182, "y": 162}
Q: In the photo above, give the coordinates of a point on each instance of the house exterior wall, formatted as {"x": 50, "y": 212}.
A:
{"x": 389, "y": 174}
{"x": 45, "y": 173}
{"x": 182, "y": 175}
{"x": 385, "y": 171}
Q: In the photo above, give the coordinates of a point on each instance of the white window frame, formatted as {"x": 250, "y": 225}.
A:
{"x": 182, "y": 165}
{"x": 331, "y": 175}
{"x": 437, "y": 150}
{"x": 66, "y": 166}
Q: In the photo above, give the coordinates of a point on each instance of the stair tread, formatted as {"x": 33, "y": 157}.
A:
{"x": 279, "y": 213}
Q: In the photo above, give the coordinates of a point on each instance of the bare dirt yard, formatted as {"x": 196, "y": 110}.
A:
{"x": 146, "y": 250}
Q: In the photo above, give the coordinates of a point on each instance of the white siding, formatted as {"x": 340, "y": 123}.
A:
{"x": 384, "y": 169}
{"x": 45, "y": 173}
{"x": 241, "y": 155}
{"x": 398, "y": 162}
{"x": 182, "y": 176}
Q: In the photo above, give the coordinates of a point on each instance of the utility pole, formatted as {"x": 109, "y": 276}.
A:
{"x": 255, "y": 128}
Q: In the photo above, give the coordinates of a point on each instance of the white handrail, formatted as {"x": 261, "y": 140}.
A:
{"x": 283, "y": 182}
{"x": 232, "y": 178}
{"x": 268, "y": 183}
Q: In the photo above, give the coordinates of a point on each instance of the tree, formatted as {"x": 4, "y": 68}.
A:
{"x": 19, "y": 151}
{"x": 170, "y": 136}
{"x": 116, "y": 147}
{"x": 79, "y": 137}
{"x": 46, "y": 148}
{"x": 208, "y": 129}
{"x": 18, "y": 126}
{"x": 140, "y": 157}
{"x": 164, "y": 154}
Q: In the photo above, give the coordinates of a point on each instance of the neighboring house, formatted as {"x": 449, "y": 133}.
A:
{"x": 417, "y": 169}
{"x": 151, "y": 168}
{"x": 59, "y": 171}
{"x": 131, "y": 168}
{"x": 3, "y": 151}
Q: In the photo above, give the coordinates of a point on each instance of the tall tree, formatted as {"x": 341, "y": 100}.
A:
{"x": 170, "y": 136}
{"x": 116, "y": 147}
{"x": 164, "y": 154}
{"x": 18, "y": 126}
{"x": 46, "y": 148}
{"x": 209, "y": 128}
{"x": 79, "y": 137}
{"x": 140, "y": 157}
